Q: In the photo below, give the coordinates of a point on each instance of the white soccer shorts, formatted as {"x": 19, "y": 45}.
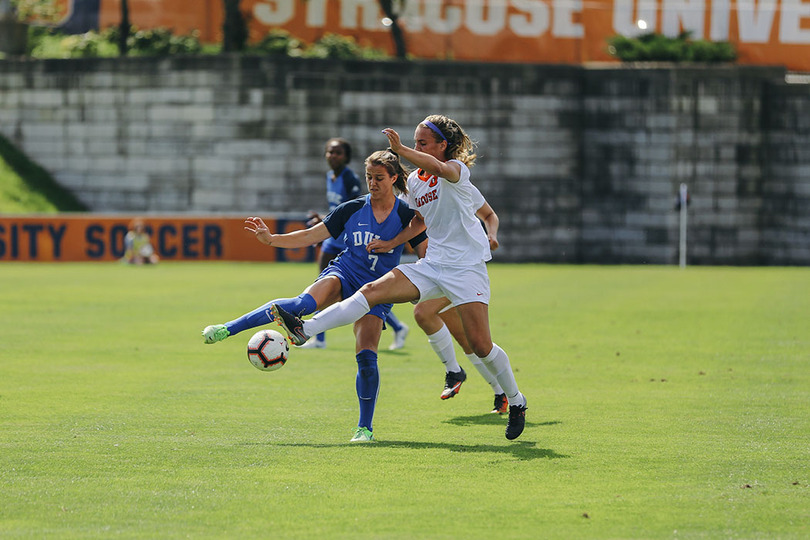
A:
{"x": 461, "y": 284}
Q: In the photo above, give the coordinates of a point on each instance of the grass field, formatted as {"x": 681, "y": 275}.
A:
{"x": 663, "y": 403}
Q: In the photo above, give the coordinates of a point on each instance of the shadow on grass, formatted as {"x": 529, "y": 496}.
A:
{"x": 491, "y": 420}
{"x": 395, "y": 352}
{"x": 522, "y": 450}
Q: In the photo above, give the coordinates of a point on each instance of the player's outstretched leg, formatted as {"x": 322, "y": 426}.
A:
{"x": 452, "y": 383}
{"x": 292, "y": 325}
{"x": 301, "y": 305}
{"x": 214, "y": 333}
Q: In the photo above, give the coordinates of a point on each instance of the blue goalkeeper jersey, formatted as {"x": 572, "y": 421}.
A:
{"x": 344, "y": 187}
{"x": 354, "y": 223}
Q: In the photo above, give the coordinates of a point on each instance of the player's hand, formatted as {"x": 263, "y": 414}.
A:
{"x": 258, "y": 227}
{"x": 379, "y": 246}
{"x": 493, "y": 242}
{"x": 393, "y": 139}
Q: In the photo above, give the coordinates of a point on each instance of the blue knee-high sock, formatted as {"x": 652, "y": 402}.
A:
{"x": 368, "y": 386}
{"x": 301, "y": 305}
{"x": 393, "y": 322}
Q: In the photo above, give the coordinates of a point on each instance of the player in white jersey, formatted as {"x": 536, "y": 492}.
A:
{"x": 454, "y": 265}
{"x": 439, "y": 320}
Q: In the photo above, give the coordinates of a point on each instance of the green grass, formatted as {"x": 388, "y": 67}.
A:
{"x": 26, "y": 187}
{"x": 662, "y": 404}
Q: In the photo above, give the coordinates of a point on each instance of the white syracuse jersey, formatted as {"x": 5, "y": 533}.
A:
{"x": 455, "y": 236}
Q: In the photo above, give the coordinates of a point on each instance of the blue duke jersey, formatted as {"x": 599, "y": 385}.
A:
{"x": 355, "y": 224}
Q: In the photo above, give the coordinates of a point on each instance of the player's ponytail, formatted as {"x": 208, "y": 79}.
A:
{"x": 459, "y": 144}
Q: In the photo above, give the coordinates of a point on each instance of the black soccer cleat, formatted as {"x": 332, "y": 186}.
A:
{"x": 292, "y": 325}
{"x": 517, "y": 421}
{"x": 452, "y": 383}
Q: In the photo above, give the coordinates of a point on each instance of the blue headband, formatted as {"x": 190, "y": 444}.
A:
{"x": 432, "y": 126}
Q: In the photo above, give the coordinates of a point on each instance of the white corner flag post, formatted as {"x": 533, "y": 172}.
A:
{"x": 683, "y": 200}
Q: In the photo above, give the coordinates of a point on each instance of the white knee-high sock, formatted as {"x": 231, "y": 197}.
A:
{"x": 498, "y": 364}
{"x": 442, "y": 343}
{"x": 485, "y": 373}
{"x": 340, "y": 314}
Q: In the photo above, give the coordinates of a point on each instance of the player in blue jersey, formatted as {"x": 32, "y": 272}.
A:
{"x": 380, "y": 214}
{"x": 343, "y": 185}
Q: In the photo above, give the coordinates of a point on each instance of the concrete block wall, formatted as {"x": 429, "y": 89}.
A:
{"x": 582, "y": 164}
{"x": 647, "y": 131}
{"x": 785, "y": 157}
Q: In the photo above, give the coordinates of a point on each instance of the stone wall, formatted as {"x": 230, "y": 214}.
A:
{"x": 582, "y": 164}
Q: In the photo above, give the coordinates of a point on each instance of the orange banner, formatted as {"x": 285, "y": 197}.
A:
{"x": 87, "y": 237}
{"x": 535, "y": 31}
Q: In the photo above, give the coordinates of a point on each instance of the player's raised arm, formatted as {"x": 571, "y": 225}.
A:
{"x": 425, "y": 161}
{"x": 295, "y": 239}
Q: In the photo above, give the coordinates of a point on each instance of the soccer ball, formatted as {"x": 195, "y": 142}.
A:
{"x": 267, "y": 350}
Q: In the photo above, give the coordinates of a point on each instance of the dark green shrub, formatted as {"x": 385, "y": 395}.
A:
{"x": 163, "y": 42}
{"x": 654, "y": 47}
{"x": 44, "y": 42}
{"x": 85, "y": 45}
{"x": 279, "y": 43}
{"x": 707, "y": 51}
{"x": 49, "y": 43}
{"x": 341, "y": 48}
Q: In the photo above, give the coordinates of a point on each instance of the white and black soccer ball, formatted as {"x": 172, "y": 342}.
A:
{"x": 268, "y": 350}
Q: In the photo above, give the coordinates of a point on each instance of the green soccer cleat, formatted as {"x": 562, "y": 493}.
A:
{"x": 215, "y": 333}
{"x": 362, "y": 434}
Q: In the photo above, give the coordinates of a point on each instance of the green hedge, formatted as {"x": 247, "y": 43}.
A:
{"x": 47, "y": 43}
{"x": 655, "y": 47}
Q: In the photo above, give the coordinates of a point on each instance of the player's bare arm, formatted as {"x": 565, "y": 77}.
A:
{"x": 415, "y": 226}
{"x": 450, "y": 171}
{"x": 491, "y": 223}
{"x": 295, "y": 239}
